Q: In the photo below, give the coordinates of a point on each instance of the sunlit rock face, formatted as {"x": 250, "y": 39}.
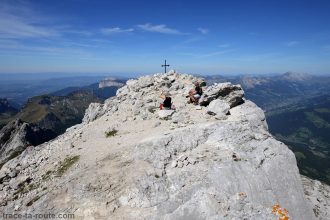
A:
{"x": 129, "y": 160}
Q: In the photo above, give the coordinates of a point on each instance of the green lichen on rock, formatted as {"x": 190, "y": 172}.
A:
{"x": 66, "y": 164}
{"x": 61, "y": 168}
{"x": 36, "y": 198}
{"x": 46, "y": 175}
{"x": 26, "y": 189}
{"x": 111, "y": 133}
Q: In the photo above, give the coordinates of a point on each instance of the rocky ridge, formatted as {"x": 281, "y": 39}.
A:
{"x": 17, "y": 135}
{"x": 42, "y": 119}
{"x": 128, "y": 160}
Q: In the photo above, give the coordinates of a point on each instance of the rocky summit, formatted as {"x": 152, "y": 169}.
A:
{"x": 130, "y": 160}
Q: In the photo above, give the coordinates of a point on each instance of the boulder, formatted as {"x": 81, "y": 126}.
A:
{"x": 94, "y": 111}
{"x": 219, "y": 108}
{"x": 165, "y": 114}
{"x": 233, "y": 94}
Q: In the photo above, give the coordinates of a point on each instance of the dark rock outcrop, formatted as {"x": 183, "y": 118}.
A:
{"x": 17, "y": 135}
{"x": 6, "y": 107}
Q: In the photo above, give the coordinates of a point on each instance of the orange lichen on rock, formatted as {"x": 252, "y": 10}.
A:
{"x": 242, "y": 195}
{"x": 282, "y": 213}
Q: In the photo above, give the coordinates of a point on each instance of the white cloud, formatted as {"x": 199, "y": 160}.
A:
{"x": 161, "y": 28}
{"x": 292, "y": 43}
{"x": 211, "y": 54}
{"x": 19, "y": 21}
{"x": 115, "y": 30}
{"x": 203, "y": 30}
{"x": 224, "y": 45}
{"x": 217, "y": 53}
{"x": 12, "y": 26}
{"x": 13, "y": 47}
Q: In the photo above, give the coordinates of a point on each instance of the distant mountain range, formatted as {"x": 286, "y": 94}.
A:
{"x": 297, "y": 108}
{"x": 44, "y": 117}
{"x": 18, "y": 88}
{"x": 272, "y": 92}
{"x": 57, "y": 112}
{"x": 58, "y": 105}
{"x": 100, "y": 90}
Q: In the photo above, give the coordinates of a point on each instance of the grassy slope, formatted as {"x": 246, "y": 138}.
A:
{"x": 56, "y": 112}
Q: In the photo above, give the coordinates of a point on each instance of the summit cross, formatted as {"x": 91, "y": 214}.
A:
{"x": 165, "y": 65}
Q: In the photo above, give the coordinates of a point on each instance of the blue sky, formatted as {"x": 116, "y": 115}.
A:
{"x": 205, "y": 37}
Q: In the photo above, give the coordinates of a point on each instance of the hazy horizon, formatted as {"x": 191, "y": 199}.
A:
{"x": 54, "y": 75}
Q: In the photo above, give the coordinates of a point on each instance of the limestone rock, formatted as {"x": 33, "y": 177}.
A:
{"x": 318, "y": 194}
{"x": 233, "y": 94}
{"x": 17, "y": 135}
{"x": 110, "y": 82}
{"x": 219, "y": 108}
{"x": 94, "y": 111}
{"x": 188, "y": 167}
{"x": 259, "y": 177}
{"x": 165, "y": 114}
{"x": 19, "y": 182}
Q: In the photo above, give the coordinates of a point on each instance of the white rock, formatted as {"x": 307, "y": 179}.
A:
{"x": 232, "y": 94}
{"x": 157, "y": 173}
{"x": 165, "y": 114}
{"x": 219, "y": 108}
{"x": 318, "y": 194}
{"x": 157, "y": 124}
{"x": 174, "y": 163}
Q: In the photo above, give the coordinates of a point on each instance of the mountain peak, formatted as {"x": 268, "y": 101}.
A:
{"x": 110, "y": 81}
{"x": 130, "y": 160}
{"x": 295, "y": 76}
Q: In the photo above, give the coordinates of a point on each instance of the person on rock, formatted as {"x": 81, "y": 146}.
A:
{"x": 167, "y": 104}
{"x": 195, "y": 94}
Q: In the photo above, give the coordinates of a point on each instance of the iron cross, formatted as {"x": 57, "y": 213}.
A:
{"x": 165, "y": 65}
